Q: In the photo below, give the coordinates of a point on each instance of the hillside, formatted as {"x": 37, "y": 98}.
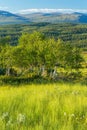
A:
{"x": 57, "y": 17}
{"x": 10, "y": 18}
{"x": 68, "y": 32}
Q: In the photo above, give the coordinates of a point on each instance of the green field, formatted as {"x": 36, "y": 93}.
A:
{"x": 43, "y": 107}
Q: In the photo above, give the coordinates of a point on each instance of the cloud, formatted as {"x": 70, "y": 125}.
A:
{"x": 3, "y": 8}
{"x": 26, "y": 11}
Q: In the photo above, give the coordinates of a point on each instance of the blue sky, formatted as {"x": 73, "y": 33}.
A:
{"x": 17, "y": 5}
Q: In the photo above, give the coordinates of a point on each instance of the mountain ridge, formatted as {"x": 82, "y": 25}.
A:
{"x": 54, "y": 17}
{"x": 11, "y": 18}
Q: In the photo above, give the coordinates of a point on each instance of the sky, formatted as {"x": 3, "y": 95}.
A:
{"x": 24, "y": 6}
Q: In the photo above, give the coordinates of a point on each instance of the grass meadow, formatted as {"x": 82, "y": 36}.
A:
{"x": 43, "y": 107}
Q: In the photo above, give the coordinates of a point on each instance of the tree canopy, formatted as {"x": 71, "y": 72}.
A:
{"x": 40, "y": 53}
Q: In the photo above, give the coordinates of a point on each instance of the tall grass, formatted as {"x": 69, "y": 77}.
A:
{"x": 43, "y": 107}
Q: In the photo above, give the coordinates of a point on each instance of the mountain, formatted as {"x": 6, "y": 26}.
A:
{"x": 75, "y": 17}
{"x": 10, "y": 18}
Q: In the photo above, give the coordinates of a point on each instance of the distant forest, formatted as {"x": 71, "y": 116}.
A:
{"x": 68, "y": 32}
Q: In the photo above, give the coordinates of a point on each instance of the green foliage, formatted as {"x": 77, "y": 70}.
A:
{"x": 37, "y": 50}
{"x": 70, "y": 56}
{"x": 6, "y": 58}
{"x": 40, "y": 55}
{"x": 5, "y": 40}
